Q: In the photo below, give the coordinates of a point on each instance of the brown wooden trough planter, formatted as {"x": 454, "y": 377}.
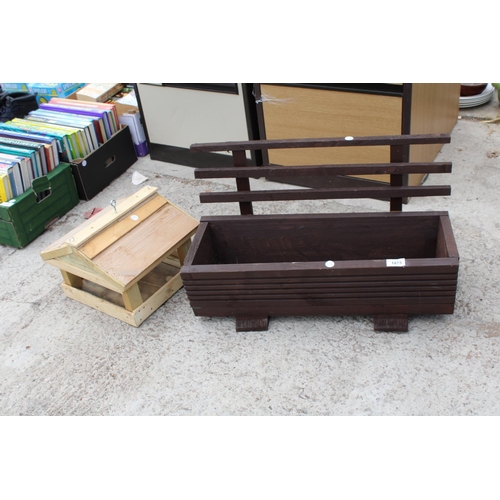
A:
{"x": 388, "y": 265}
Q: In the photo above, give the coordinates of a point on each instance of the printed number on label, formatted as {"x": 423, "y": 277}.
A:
{"x": 395, "y": 262}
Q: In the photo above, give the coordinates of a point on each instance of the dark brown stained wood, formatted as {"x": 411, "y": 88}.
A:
{"x": 242, "y": 184}
{"x": 389, "y": 265}
{"x": 202, "y": 249}
{"x": 446, "y": 245}
{"x": 201, "y": 239}
{"x": 414, "y": 267}
{"x": 244, "y": 324}
{"x": 333, "y": 289}
{"x": 318, "y": 308}
{"x": 263, "y": 305}
{"x": 348, "y": 285}
{"x": 399, "y": 153}
{"x": 317, "y": 282}
{"x": 410, "y": 233}
{"x": 415, "y": 294}
{"x": 343, "y": 238}
{"x": 321, "y": 170}
{"x": 323, "y": 194}
{"x": 302, "y": 218}
{"x": 391, "y": 323}
{"x": 323, "y": 142}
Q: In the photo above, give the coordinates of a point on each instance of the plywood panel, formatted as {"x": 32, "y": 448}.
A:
{"x": 292, "y": 112}
{"x": 434, "y": 110}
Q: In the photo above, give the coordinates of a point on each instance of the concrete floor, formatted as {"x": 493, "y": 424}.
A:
{"x": 59, "y": 357}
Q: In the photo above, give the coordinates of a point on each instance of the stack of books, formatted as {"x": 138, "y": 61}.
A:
{"x": 98, "y": 92}
{"x": 60, "y": 130}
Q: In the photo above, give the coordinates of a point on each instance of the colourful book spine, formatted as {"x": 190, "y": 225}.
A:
{"x": 102, "y": 126}
{"x": 13, "y": 169}
{"x": 5, "y": 190}
{"x": 49, "y": 143}
{"x": 60, "y": 150}
{"x": 38, "y": 159}
{"x": 85, "y": 124}
{"x": 72, "y": 132}
{"x": 26, "y": 160}
{"x": 68, "y": 145}
{"x": 110, "y": 108}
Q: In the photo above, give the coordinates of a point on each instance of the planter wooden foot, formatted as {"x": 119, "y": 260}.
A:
{"x": 252, "y": 324}
{"x": 390, "y": 323}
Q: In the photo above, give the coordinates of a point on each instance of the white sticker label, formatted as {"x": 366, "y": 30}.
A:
{"x": 349, "y": 138}
{"x": 395, "y": 262}
{"x": 134, "y": 217}
{"x": 329, "y": 263}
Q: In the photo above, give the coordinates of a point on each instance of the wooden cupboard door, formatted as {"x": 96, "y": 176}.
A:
{"x": 293, "y": 112}
{"x": 434, "y": 110}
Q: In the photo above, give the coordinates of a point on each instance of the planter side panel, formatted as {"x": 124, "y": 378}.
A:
{"x": 349, "y": 290}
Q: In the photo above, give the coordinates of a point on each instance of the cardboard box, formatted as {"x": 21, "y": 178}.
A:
{"x": 44, "y": 91}
{"x": 14, "y": 87}
{"x": 121, "y": 109}
{"x": 126, "y": 104}
{"x": 25, "y": 217}
{"x": 96, "y": 171}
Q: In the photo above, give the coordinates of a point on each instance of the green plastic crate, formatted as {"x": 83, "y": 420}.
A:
{"x": 25, "y": 217}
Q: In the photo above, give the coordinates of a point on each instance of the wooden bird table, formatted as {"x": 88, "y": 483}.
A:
{"x": 125, "y": 261}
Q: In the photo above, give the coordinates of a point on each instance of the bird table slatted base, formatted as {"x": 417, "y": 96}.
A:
{"x": 125, "y": 261}
{"x": 388, "y": 265}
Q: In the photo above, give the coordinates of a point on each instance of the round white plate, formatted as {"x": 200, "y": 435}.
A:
{"x": 476, "y": 100}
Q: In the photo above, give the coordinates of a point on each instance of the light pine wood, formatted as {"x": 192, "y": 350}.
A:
{"x": 122, "y": 265}
{"x": 102, "y": 220}
{"x": 91, "y": 227}
{"x": 172, "y": 260}
{"x": 159, "y": 298}
{"x": 72, "y": 279}
{"x": 135, "y": 317}
{"x": 99, "y": 304}
{"x": 114, "y": 232}
{"x": 75, "y": 264}
{"x": 182, "y": 251}
{"x": 141, "y": 249}
{"x": 132, "y": 298}
{"x": 149, "y": 285}
{"x": 62, "y": 246}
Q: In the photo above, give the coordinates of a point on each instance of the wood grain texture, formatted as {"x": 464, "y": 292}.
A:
{"x": 245, "y": 324}
{"x": 121, "y": 262}
{"x": 265, "y": 266}
{"x": 324, "y": 142}
{"x": 256, "y": 266}
{"x": 435, "y": 109}
{"x": 321, "y": 170}
{"x": 122, "y": 226}
{"x": 325, "y": 194}
{"x": 324, "y": 113}
{"x": 142, "y": 248}
{"x": 391, "y": 323}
